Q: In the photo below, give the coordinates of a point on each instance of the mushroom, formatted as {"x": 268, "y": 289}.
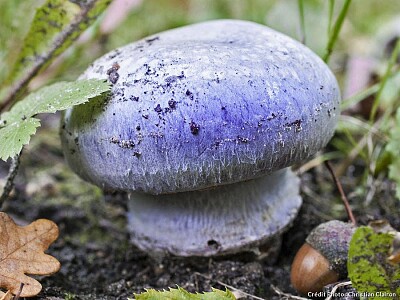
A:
{"x": 201, "y": 126}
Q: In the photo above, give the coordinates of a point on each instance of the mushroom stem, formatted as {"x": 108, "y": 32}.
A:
{"x": 222, "y": 220}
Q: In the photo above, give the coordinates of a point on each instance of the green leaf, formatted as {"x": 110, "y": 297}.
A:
{"x": 90, "y": 10}
{"x": 14, "y": 16}
{"x": 57, "y": 23}
{"x": 181, "y": 294}
{"x": 368, "y": 266}
{"x": 58, "y": 96}
{"x": 393, "y": 147}
{"x": 18, "y": 124}
{"x": 49, "y": 20}
{"x": 334, "y": 32}
{"x": 14, "y": 136}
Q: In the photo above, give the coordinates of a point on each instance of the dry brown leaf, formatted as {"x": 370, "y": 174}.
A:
{"x": 394, "y": 257}
{"x": 383, "y": 226}
{"x": 22, "y": 252}
{"x": 6, "y": 296}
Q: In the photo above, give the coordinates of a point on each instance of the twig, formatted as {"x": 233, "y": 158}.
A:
{"x": 42, "y": 59}
{"x": 12, "y": 172}
{"x": 229, "y": 286}
{"x": 342, "y": 194}
{"x": 16, "y": 297}
{"x": 341, "y": 284}
{"x": 286, "y": 295}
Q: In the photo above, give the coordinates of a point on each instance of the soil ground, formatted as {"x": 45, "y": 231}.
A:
{"x": 98, "y": 262}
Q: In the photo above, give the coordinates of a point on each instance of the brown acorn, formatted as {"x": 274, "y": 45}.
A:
{"x": 323, "y": 258}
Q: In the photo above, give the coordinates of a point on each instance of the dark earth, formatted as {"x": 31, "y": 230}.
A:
{"x": 98, "y": 261}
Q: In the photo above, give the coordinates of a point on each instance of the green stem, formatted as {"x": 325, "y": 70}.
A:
{"x": 302, "y": 21}
{"x": 385, "y": 78}
{"x": 353, "y": 100}
{"x": 5, "y": 194}
{"x": 334, "y": 33}
{"x": 354, "y": 143}
{"x": 331, "y": 11}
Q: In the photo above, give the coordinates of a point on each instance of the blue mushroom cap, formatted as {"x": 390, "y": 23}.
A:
{"x": 200, "y": 106}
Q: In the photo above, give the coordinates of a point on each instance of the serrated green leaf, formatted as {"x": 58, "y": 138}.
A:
{"x": 15, "y": 135}
{"x": 57, "y": 23}
{"x": 368, "y": 266}
{"x": 181, "y": 294}
{"x": 393, "y": 147}
{"x": 18, "y": 124}
{"x": 58, "y": 96}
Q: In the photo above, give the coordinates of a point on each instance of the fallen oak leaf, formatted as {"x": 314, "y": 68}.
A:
{"x": 394, "y": 257}
{"x": 22, "y": 252}
{"x": 6, "y": 296}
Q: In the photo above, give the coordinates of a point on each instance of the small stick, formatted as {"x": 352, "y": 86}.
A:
{"x": 286, "y": 295}
{"x": 340, "y": 284}
{"x": 12, "y": 172}
{"x": 342, "y": 194}
{"x": 16, "y": 297}
{"x": 229, "y": 286}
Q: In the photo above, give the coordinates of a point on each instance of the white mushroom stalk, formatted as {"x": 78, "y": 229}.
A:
{"x": 227, "y": 219}
{"x": 199, "y": 120}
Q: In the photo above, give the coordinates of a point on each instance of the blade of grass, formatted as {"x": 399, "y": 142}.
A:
{"x": 386, "y": 76}
{"x": 363, "y": 127}
{"x": 334, "y": 33}
{"x": 353, "y": 100}
{"x": 354, "y": 143}
{"x": 302, "y": 27}
{"x": 319, "y": 160}
{"x": 359, "y": 147}
{"x": 330, "y": 19}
